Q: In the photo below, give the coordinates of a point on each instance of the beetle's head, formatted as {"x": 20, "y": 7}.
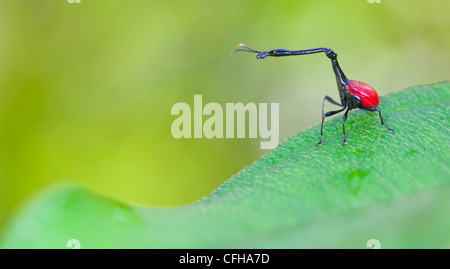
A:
{"x": 260, "y": 55}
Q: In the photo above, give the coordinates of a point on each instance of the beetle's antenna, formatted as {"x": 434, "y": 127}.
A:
{"x": 245, "y": 48}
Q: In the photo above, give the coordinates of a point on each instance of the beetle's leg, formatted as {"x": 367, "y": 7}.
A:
{"x": 329, "y": 113}
{"x": 381, "y": 118}
{"x": 344, "y": 118}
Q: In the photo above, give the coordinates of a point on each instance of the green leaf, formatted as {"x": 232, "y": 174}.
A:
{"x": 391, "y": 187}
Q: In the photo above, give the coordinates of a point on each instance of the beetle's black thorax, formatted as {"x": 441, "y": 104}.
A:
{"x": 353, "y": 101}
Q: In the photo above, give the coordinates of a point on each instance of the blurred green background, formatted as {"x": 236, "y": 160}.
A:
{"x": 86, "y": 89}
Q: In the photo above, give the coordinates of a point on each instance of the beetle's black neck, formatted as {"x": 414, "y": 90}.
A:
{"x": 340, "y": 76}
{"x": 341, "y": 79}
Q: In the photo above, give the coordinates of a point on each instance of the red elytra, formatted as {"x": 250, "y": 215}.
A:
{"x": 367, "y": 94}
